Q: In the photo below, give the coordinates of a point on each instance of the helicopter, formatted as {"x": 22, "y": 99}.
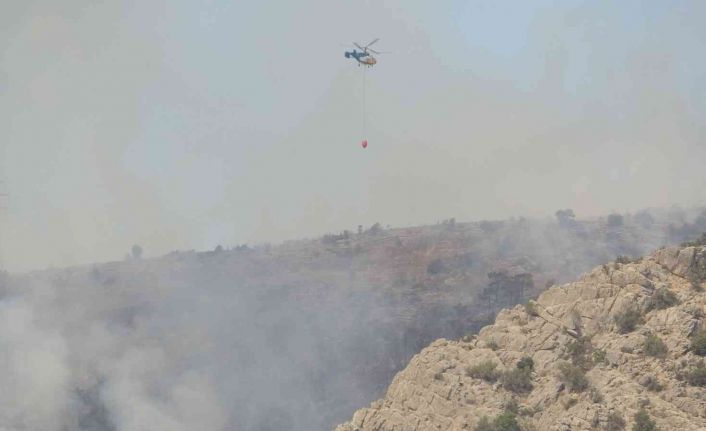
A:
{"x": 363, "y": 56}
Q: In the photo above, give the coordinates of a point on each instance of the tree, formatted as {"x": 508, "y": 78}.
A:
{"x": 644, "y": 219}
{"x": 375, "y": 229}
{"x": 565, "y": 217}
{"x": 615, "y": 220}
{"x": 512, "y": 288}
{"x": 136, "y": 252}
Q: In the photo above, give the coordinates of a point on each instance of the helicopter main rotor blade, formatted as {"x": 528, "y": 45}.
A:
{"x": 359, "y": 47}
{"x": 372, "y": 42}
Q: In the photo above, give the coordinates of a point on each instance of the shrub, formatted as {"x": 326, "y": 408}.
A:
{"x": 696, "y": 243}
{"x": 623, "y": 260}
{"x": 599, "y": 356}
{"x": 596, "y": 396}
{"x": 653, "y": 384}
{"x": 697, "y": 376}
{"x": 526, "y": 363}
{"x": 484, "y": 424}
{"x": 439, "y": 376}
{"x": 655, "y": 347}
{"x": 518, "y": 380}
{"x": 578, "y": 351}
{"x": 574, "y": 377}
{"x": 643, "y": 421}
{"x": 662, "y": 298}
{"x": 628, "y": 319}
{"x": 491, "y": 344}
{"x": 578, "y": 347}
{"x": 484, "y": 370}
{"x": 506, "y": 422}
{"x": 615, "y": 422}
{"x": 698, "y": 343}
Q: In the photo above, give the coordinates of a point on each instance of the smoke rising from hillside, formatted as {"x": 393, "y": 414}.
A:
{"x": 296, "y": 337}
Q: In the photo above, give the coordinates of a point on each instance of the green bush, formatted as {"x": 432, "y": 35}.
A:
{"x": 578, "y": 351}
{"x": 628, "y": 319}
{"x": 506, "y": 422}
{"x": 599, "y": 356}
{"x": 643, "y": 421}
{"x": 698, "y": 343}
{"x": 615, "y": 422}
{"x": 697, "y": 376}
{"x": 574, "y": 377}
{"x": 662, "y": 298}
{"x": 503, "y": 422}
{"x": 485, "y": 370}
{"x": 655, "y": 347}
{"x": 484, "y": 424}
{"x": 518, "y": 380}
{"x": 578, "y": 347}
{"x": 526, "y": 363}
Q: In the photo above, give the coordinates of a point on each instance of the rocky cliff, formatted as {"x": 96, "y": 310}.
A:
{"x": 621, "y": 348}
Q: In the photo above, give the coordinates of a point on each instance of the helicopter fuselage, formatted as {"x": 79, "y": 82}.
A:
{"x": 361, "y": 57}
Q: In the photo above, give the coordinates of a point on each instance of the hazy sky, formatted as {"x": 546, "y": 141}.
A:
{"x": 180, "y": 125}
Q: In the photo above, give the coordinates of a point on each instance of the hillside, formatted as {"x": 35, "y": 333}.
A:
{"x": 624, "y": 337}
{"x": 295, "y": 336}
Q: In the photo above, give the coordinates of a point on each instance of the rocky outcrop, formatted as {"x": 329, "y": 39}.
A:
{"x": 582, "y": 323}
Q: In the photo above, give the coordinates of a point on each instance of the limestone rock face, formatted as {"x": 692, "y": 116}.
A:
{"x": 436, "y": 391}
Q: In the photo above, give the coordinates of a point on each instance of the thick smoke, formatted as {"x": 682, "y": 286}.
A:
{"x": 178, "y": 344}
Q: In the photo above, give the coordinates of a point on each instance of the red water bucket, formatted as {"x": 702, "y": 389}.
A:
{"x": 364, "y": 144}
